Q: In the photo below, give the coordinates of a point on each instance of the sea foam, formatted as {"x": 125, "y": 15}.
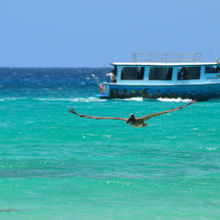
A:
{"x": 174, "y": 100}
{"x": 137, "y": 99}
{"x": 89, "y": 99}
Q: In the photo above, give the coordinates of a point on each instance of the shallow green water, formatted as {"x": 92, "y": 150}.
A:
{"x": 54, "y": 165}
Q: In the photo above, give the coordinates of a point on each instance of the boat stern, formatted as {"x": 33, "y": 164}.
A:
{"x": 104, "y": 91}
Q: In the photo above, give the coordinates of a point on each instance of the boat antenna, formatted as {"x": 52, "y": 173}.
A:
{"x": 215, "y": 51}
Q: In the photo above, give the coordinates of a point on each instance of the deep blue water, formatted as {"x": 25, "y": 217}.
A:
{"x": 29, "y": 82}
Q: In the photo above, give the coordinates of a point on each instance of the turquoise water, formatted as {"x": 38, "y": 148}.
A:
{"x": 55, "y": 165}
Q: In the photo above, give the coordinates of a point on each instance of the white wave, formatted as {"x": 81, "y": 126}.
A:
{"x": 11, "y": 99}
{"x": 174, "y": 100}
{"x": 89, "y": 99}
{"x": 137, "y": 99}
{"x": 93, "y": 99}
{"x": 118, "y": 182}
{"x": 211, "y": 148}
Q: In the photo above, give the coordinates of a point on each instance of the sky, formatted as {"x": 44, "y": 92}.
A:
{"x": 94, "y": 33}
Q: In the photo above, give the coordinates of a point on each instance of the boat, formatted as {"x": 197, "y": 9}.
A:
{"x": 185, "y": 78}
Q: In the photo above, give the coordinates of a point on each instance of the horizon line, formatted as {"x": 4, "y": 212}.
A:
{"x": 54, "y": 67}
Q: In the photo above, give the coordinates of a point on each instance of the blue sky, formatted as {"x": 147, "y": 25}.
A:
{"x": 89, "y": 33}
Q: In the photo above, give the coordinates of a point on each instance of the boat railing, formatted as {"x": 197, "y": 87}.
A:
{"x": 167, "y": 57}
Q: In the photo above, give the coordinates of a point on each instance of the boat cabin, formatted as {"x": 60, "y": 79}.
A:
{"x": 186, "y": 79}
{"x": 168, "y": 73}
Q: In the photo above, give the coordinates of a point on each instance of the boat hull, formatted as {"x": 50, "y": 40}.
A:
{"x": 197, "y": 91}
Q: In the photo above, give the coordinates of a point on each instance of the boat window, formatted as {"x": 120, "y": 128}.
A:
{"x": 160, "y": 73}
{"x": 188, "y": 73}
{"x": 212, "y": 69}
{"x": 115, "y": 69}
{"x": 132, "y": 73}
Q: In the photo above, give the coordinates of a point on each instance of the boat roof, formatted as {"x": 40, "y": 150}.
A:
{"x": 164, "y": 64}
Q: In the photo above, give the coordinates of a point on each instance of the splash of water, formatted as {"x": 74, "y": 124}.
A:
{"x": 174, "y": 100}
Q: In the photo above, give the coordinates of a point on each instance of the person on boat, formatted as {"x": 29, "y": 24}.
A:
{"x": 137, "y": 122}
{"x": 112, "y": 76}
{"x": 182, "y": 74}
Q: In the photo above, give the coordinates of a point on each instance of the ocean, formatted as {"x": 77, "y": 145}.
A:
{"x": 57, "y": 166}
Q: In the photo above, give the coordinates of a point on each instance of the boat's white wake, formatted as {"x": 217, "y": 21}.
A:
{"x": 174, "y": 100}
